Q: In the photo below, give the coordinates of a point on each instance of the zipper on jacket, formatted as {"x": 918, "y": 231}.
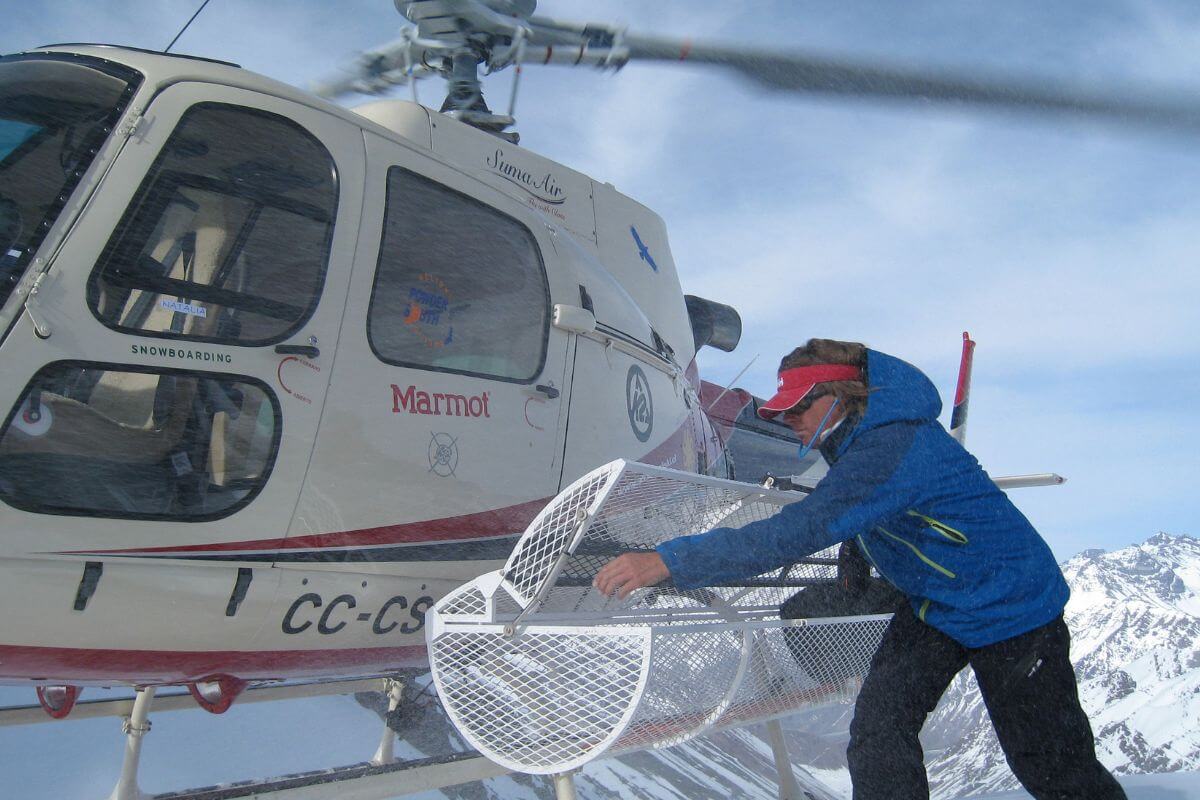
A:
{"x": 924, "y": 608}
{"x": 918, "y": 552}
{"x": 867, "y": 551}
{"x": 956, "y": 536}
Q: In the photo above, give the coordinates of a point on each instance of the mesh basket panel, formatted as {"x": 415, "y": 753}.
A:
{"x": 690, "y": 678}
{"x": 626, "y": 508}
{"x": 550, "y": 533}
{"x": 467, "y": 601}
{"x": 541, "y": 700}
{"x": 796, "y": 667}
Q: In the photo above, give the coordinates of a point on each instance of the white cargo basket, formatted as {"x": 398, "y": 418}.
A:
{"x": 542, "y": 673}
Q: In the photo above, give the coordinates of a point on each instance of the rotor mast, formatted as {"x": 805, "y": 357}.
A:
{"x": 464, "y": 96}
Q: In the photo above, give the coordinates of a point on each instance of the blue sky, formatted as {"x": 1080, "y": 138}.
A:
{"x": 1068, "y": 249}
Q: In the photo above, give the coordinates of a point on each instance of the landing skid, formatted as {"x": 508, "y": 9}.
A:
{"x": 357, "y": 781}
{"x": 381, "y": 777}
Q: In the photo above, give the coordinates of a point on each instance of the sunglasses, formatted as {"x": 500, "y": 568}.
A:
{"x": 804, "y": 405}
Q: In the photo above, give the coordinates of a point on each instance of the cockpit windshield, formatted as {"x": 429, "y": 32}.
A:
{"x": 55, "y": 113}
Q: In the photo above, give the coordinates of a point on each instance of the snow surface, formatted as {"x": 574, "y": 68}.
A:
{"x": 1170, "y": 786}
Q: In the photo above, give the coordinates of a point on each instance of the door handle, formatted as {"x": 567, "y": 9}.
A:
{"x": 549, "y": 391}
{"x": 306, "y": 350}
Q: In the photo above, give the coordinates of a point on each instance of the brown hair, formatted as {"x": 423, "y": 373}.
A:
{"x": 852, "y": 395}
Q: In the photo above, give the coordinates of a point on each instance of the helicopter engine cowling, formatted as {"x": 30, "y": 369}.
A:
{"x": 713, "y": 324}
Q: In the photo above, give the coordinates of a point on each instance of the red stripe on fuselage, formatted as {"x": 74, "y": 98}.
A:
{"x": 145, "y": 667}
{"x": 498, "y": 522}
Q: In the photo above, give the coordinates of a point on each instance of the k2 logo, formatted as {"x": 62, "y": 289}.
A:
{"x": 639, "y": 403}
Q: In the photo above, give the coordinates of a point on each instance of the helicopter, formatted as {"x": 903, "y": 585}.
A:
{"x": 282, "y": 373}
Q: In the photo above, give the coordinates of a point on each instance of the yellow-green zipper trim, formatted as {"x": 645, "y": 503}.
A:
{"x": 956, "y": 536}
{"x": 863, "y": 543}
{"x": 924, "y": 608}
{"x": 918, "y": 553}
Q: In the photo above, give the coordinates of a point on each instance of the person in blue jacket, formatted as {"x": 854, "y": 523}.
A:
{"x": 982, "y": 587}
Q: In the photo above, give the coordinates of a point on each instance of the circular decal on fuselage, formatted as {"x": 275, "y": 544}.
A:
{"x": 443, "y": 454}
{"x": 639, "y": 403}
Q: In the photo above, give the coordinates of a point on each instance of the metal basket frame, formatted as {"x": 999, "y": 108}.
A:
{"x": 542, "y": 674}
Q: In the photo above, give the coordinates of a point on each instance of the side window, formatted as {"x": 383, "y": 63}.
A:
{"x": 99, "y": 440}
{"x": 459, "y": 287}
{"x": 229, "y": 235}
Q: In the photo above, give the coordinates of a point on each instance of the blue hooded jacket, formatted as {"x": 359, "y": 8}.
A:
{"x": 922, "y": 510}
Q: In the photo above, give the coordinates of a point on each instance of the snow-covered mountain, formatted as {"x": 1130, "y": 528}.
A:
{"x": 1134, "y": 617}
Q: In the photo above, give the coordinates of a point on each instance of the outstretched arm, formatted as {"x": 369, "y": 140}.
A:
{"x": 861, "y": 490}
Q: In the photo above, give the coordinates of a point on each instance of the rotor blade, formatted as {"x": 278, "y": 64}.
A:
{"x": 335, "y": 87}
{"x": 375, "y": 71}
{"x": 338, "y": 86}
{"x": 803, "y": 73}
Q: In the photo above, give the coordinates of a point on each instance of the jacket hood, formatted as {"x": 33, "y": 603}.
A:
{"x": 899, "y": 393}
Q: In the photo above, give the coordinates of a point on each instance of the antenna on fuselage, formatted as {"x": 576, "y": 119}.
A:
{"x": 729, "y": 387}
{"x": 186, "y": 25}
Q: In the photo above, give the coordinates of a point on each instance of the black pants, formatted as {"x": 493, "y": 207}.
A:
{"x": 1028, "y": 686}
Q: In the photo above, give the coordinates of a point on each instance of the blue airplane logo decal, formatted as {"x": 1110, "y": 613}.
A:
{"x": 643, "y": 251}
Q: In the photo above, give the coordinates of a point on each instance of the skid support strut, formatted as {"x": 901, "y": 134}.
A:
{"x": 135, "y": 726}
{"x": 564, "y": 785}
{"x": 788, "y": 788}
{"x": 387, "y": 742}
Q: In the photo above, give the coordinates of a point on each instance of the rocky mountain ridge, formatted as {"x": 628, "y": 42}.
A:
{"x": 1134, "y": 616}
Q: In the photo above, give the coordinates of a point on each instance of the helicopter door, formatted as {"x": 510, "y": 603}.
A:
{"x": 442, "y": 436}
{"x": 193, "y": 316}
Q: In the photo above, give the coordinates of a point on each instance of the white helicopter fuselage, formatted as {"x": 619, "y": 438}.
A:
{"x": 194, "y": 487}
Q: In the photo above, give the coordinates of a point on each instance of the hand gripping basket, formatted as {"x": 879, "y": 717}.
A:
{"x": 542, "y": 673}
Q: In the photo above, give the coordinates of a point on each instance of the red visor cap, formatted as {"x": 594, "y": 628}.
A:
{"x": 796, "y": 383}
